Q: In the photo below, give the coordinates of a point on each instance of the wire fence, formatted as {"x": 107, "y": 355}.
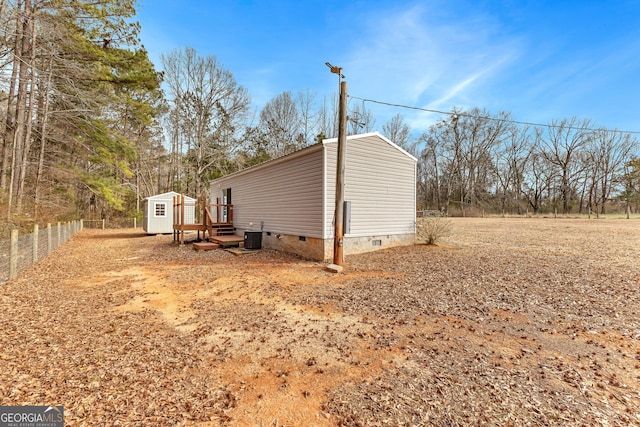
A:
{"x": 112, "y": 223}
{"x": 22, "y": 251}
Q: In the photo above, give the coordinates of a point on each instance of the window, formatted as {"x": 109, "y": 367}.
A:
{"x": 161, "y": 209}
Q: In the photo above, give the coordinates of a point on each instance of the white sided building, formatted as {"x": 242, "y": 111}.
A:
{"x": 291, "y": 199}
{"x": 158, "y": 213}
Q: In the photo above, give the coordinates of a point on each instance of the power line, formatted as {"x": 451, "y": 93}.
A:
{"x": 497, "y": 119}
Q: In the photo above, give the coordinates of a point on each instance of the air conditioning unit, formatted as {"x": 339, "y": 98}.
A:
{"x": 253, "y": 239}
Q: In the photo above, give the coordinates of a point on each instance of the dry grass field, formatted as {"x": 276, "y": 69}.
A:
{"x": 507, "y": 322}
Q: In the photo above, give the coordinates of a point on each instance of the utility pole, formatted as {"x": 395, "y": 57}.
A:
{"x": 338, "y": 241}
{"x": 338, "y": 238}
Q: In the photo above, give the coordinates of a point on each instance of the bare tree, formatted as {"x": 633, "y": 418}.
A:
{"x": 209, "y": 109}
{"x": 608, "y": 152}
{"x": 473, "y": 135}
{"x": 45, "y": 91}
{"x": 537, "y": 173}
{"x": 561, "y": 147}
{"x": 281, "y": 125}
{"x": 26, "y": 121}
{"x": 630, "y": 180}
{"x": 328, "y": 118}
{"x": 510, "y": 158}
{"x": 15, "y": 51}
{"x": 430, "y": 171}
{"x": 400, "y": 133}
{"x": 360, "y": 120}
{"x": 305, "y": 103}
{"x": 17, "y": 141}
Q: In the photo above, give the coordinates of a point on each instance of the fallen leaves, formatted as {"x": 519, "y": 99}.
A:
{"x": 508, "y": 322}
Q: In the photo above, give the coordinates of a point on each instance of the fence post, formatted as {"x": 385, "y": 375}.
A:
{"x": 34, "y": 255}
{"x": 81, "y": 224}
{"x": 103, "y": 221}
{"x": 13, "y": 255}
{"x": 59, "y": 235}
{"x": 49, "y": 242}
{"x": 135, "y": 222}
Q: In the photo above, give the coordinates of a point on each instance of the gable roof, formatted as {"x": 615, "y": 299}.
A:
{"x": 370, "y": 134}
{"x": 311, "y": 149}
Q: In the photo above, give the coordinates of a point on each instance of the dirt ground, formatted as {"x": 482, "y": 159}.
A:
{"x": 507, "y": 322}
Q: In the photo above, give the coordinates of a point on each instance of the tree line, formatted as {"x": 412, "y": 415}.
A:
{"x": 474, "y": 161}
{"x": 89, "y": 127}
{"x": 79, "y": 105}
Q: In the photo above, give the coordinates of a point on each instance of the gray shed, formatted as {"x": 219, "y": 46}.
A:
{"x": 158, "y": 212}
{"x": 291, "y": 199}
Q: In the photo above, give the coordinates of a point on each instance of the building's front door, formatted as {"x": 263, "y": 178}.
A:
{"x": 226, "y": 200}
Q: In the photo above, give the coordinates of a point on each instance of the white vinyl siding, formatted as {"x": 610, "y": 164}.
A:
{"x": 331, "y": 157}
{"x": 284, "y": 195}
{"x": 379, "y": 183}
{"x": 295, "y": 194}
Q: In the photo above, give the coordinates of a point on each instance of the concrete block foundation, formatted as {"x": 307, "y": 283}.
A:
{"x": 316, "y": 249}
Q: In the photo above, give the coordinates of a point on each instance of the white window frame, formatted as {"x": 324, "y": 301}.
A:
{"x": 156, "y": 205}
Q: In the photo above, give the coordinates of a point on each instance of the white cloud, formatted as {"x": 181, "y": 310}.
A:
{"x": 395, "y": 55}
{"x": 422, "y": 56}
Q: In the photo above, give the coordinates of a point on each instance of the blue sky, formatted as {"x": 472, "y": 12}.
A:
{"x": 540, "y": 60}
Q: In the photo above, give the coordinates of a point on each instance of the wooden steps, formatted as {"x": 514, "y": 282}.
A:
{"x": 226, "y": 241}
{"x": 222, "y": 229}
{"x": 243, "y": 251}
{"x": 205, "y": 246}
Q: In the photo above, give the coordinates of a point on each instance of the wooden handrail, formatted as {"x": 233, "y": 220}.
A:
{"x": 219, "y": 207}
{"x": 208, "y": 215}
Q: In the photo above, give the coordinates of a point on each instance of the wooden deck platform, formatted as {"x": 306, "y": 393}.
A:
{"x": 216, "y": 220}
{"x": 190, "y": 227}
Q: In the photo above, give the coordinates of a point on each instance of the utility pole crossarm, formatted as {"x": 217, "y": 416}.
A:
{"x": 335, "y": 69}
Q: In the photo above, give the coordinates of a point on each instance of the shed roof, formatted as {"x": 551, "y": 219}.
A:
{"x": 168, "y": 195}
